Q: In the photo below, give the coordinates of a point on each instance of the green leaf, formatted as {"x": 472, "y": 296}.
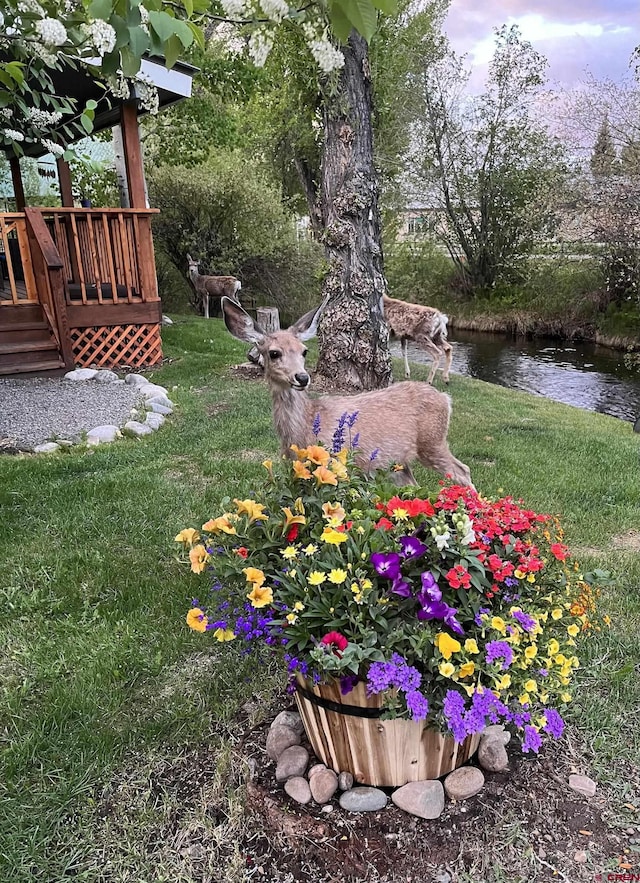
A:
{"x": 100, "y": 9}
{"x": 184, "y": 33}
{"x": 163, "y": 24}
{"x": 91, "y": 104}
{"x": 188, "y": 7}
{"x": 139, "y": 41}
{"x": 362, "y": 15}
{"x": 87, "y": 123}
{"x": 340, "y": 24}
{"x": 389, "y": 7}
{"x": 130, "y": 62}
{"x": 15, "y": 71}
{"x": 122, "y": 31}
{"x": 172, "y": 50}
{"x": 198, "y": 34}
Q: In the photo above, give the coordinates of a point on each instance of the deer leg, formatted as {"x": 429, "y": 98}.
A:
{"x": 435, "y": 354}
{"x": 402, "y": 477}
{"x": 205, "y": 298}
{"x": 448, "y": 355}
{"x": 443, "y": 461}
{"x": 405, "y": 350}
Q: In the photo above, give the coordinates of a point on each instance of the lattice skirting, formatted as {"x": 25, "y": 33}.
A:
{"x": 137, "y": 346}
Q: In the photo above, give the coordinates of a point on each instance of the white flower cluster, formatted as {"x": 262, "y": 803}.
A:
{"x": 41, "y": 119}
{"x": 52, "y": 147}
{"x": 31, "y": 6}
{"x": 325, "y": 53}
{"x": 234, "y": 8}
{"x": 6, "y": 113}
{"x": 47, "y": 55}
{"x": 275, "y": 9}
{"x": 13, "y": 135}
{"x": 260, "y": 44}
{"x": 102, "y": 36}
{"x": 144, "y": 18}
{"x": 147, "y": 93}
{"x": 119, "y": 86}
{"x": 51, "y": 31}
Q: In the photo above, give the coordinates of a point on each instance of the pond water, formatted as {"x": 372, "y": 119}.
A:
{"x": 582, "y": 374}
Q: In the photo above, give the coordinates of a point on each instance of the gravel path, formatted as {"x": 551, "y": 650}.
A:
{"x": 35, "y": 410}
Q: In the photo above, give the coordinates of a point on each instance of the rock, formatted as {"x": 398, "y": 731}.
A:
{"x": 442, "y": 877}
{"x": 292, "y": 762}
{"x": 363, "y": 799}
{"x": 151, "y": 389}
{"x": 159, "y": 399}
{"x": 327, "y": 808}
{"x": 345, "y": 781}
{"x": 289, "y": 719}
{"x": 492, "y": 755}
{"x": 324, "y": 785}
{"x": 136, "y": 380}
{"x": 316, "y": 768}
{"x": 153, "y": 420}
{"x": 497, "y": 730}
{"x": 582, "y": 784}
{"x": 158, "y": 409}
{"x": 132, "y": 427}
{"x": 423, "y": 799}
{"x": 106, "y": 377}
{"x": 65, "y": 443}
{"x": 46, "y": 448}
{"x": 580, "y": 857}
{"x": 279, "y": 739}
{"x": 298, "y": 789}
{"x": 103, "y": 435}
{"x": 166, "y": 320}
{"x": 81, "y": 374}
{"x": 463, "y": 783}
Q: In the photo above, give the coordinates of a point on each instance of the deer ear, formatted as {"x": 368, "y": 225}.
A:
{"x": 189, "y": 258}
{"x": 307, "y": 326}
{"x": 239, "y": 323}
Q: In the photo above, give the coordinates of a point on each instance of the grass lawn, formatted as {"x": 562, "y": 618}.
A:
{"x": 108, "y": 702}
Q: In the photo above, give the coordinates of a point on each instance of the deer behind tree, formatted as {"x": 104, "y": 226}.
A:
{"x": 212, "y": 286}
{"x": 394, "y": 426}
{"x": 425, "y": 326}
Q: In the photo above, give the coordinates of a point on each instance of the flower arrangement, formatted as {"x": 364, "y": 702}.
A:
{"x": 459, "y": 610}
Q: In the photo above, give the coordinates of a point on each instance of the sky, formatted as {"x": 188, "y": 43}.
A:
{"x": 575, "y": 36}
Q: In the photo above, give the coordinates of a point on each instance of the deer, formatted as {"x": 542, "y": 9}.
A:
{"x": 212, "y": 286}
{"x": 395, "y": 426}
{"x": 426, "y": 326}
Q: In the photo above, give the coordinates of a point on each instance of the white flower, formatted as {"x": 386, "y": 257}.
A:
{"x": 13, "y": 135}
{"x": 47, "y": 55}
{"x": 275, "y": 9}
{"x": 52, "y": 147}
{"x": 260, "y": 44}
{"x": 102, "y": 35}
{"x": 147, "y": 93}
{"x": 41, "y": 119}
{"x": 442, "y": 539}
{"x": 234, "y": 8}
{"x": 328, "y": 57}
{"x": 31, "y": 6}
{"x": 6, "y": 113}
{"x": 119, "y": 87}
{"x": 51, "y": 31}
{"x": 144, "y": 19}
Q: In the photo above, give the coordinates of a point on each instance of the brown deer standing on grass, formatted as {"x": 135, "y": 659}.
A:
{"x": 212, "y": 286}
{"x": 426, "y": 326}
{"x": 405, "y": 422}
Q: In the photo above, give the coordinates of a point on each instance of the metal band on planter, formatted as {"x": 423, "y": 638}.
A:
{"x": 330, "y": 705}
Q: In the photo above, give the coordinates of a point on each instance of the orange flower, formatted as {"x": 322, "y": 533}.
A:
{"x": 334, "y": 513}
{"x": 324, "y": 476}
{"x": 197, "y": 620}
{"x": 260, "y": 596}
{"x": 189, "y": 535}
{"x": 300, "y": 453}
{"x": 198, "y": 556}
{"x": 291, "y": 518}
{"x": 220, "y": 525}
{"x": 318, "y": 455}
{"x": 300, "y": 470}
{"x": 254, "y": 510}
{"x": 254, "y": 575}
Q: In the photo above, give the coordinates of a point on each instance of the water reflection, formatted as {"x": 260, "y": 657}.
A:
{"x": 582, "y": 374}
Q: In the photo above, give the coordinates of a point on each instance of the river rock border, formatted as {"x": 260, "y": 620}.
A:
{"x": 155, "y": 404}
{"x": 305, "y": 781}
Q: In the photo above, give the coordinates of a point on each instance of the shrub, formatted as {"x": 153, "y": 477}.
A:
{"x": 418, "y": 272}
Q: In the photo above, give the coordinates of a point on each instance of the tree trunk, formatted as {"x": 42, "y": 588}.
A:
{"x": 354, "y": 339}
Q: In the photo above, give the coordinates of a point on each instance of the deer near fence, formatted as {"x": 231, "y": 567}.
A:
{"x": 212, "y": 286}
{"x": 425, "y": 326}
{"x": 400, "y": 424}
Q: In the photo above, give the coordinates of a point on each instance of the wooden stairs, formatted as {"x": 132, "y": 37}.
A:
{"x": 27, "y": 344}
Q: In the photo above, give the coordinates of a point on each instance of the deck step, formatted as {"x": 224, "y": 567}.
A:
{"x": 27, "y": 346}
{"x": 24, "y": 326}
{"x": 52, "y": 365}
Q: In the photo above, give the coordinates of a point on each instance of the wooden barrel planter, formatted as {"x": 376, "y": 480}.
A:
{"x": 346, "y": 733}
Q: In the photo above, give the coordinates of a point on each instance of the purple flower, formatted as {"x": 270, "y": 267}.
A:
{"x": 497, "y": 650}
{"x": 375, "y": 453}
{"x": 417, "y": 705}
{"x": 347, "y": 683}
{"x": 477, "y": 618}
{"x": 510, "y": 582}
{"x": 543, "y": 672}
{"x": 527, "y": 622}
{"x": 411, "y": 547}
{"x": 532, "y": 740}
{"x": 316, "y": 425}
{"x": 394, "y": 673}
{"x": 386, "y": 564}
{"x": 400, "y": 587}
{"x": 454, "y": 710}
{"x": 356, "y": 440}
{"x": 554, "y": 725}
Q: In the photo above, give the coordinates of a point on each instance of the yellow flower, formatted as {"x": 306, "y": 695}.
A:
{"x": 471, "y": 646}
{"x": 318, "y": 455}
{"x": 334, "y": 537}
{"x": 446, "y": 644}
{"x": 189, "y": 535}
{"x": 556, "y": 613}
{"x": 503, "y": 682}
{"x": 300, "y": 453}
{"x": 254, "y": 575}
{"x": 300, "y": 470}
{"x": 298, "y": 506}
{"x": 467, "y": 669}
{"x": 292, "y": 618}
{"x": 519, "y": 574}
{"x": 531, "y": 577}
{"x": 470, "y": 689}
{"x": 553, "y": 647}
{"x": 197, "y": 620}
{"x": 254, "y": 510}
{"x": 337, "y": 576}
{"x": 524, "y": 699}
{"x": 531, "y": 651}
{"x": 311, "y": 549}
{"x": 324, "y": 476}
{"x": 342, "y": 455}
{"x": 447, "y": 669}
{"x": 560, "y": 659}
{"x": 268, "y": 465}
{"x": 260, "y": 596}
{"x": 198, "y": 557}
{"x": 290, "y": 518}
{"x": 339, "y": 470}
{"x": 298, "y": 606}
{"x": 366, "y": 584}
{"x": 289, "y": 553}
{"x": 531, "y": 686}
{"x": 316, "y": 578}
{"x": 573, "y": 630}
{"x": 543, "y": 697}
{"x": 333, "y": 513}
{"x": 224, "y": 635}
{"x": 566, "y": 697}
{"x": 498, "y": 623}
{"x": 220, "y": 525}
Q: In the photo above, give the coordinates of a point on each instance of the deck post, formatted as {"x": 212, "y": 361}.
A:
{"x": 18, "y": 189}
{"x": 133, "y": 154}
{"x": 64, "y": 180}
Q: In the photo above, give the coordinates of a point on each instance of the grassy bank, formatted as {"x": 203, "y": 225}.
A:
{"x": 114, "y": 717}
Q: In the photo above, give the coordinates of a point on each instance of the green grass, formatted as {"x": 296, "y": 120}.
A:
{"x": 99, "y": 677}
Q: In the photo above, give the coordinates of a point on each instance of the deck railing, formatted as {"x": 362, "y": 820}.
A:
{"x": 17, "y": 282}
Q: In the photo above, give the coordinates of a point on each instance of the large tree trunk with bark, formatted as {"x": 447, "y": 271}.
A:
{"x": 354, "y": 339}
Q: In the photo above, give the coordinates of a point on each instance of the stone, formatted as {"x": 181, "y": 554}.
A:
{"x": 158, "y": 409}
{"x": 423, "y": 799}
{"x": 151, "y": 389}
{"x": 316, "y": 768}
{"x": 166, "y": 320}
{"x": 46, "y": 448}
{"x": 65, "y": 443}
{"x": 497, "y": 730}
{"x": 279, "y": 739}
{"x": 153, "y": 420}
{"x": 136, "y": 380}
{"x": 292, "y": 762}
{"x": 298, "y": 789}
{"x": 327, "y": 808}
{"x": 442, "y": 877}
{"x": 345, "y": 781}
{"x": 323, "y": 785}
{"x": 492, "y": 755}
{"x": 105, "y": 376}
{"x": 290, "y": 719}
{"x": 101, "y": 435}
{"x": 160, "y": 399}
{"x": 363, "y": 799}
{"x": 463, "y": 783}
{"x": 132, "y": 427}
{"x": 81, "y": 374}
{"x": 582, "y": 784}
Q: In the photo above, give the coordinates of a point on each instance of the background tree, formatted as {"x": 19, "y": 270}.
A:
{"x": 604, "y": 159}
{"x": 488, "y": 164}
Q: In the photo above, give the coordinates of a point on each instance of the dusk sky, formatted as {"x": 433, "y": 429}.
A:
{"x": 594, "y": 35}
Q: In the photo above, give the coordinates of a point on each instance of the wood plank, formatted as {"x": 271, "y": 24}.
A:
{"x": 27, "y": 263}
{"x": 93, "y": 250}
{"x": 16, "y": 178}
{"x": 40, "y": 230}
{"x": 124, "y": 250}
{"x": 5, "y": 229}
{"x": 109, "y": 256}
{"x": 133, "y": 154}
{"x": 78, "y": 258}
{"x": 94, "y": 315}
{"x": 64, "y": 180}
{"x": 33, "y": 368}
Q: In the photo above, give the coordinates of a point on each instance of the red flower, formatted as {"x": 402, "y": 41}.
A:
{"x": 335, "y": 641}
{"x": 384, "y": 524}
{"x": 559, "y": 551}
{"x": 459, "y": 577}
{"x": 242, "y": 552}
{"x": 292, "y": 533}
